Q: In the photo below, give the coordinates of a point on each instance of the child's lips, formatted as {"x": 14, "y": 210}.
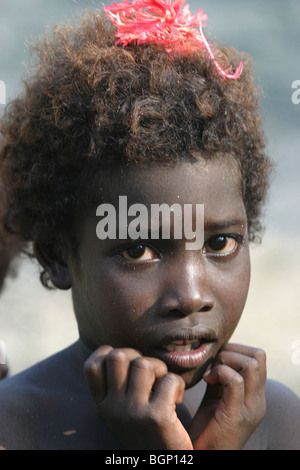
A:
{"x": 185, "y": 336}
{"x": 189, "y": 349}
{"x": 187, "y": 358}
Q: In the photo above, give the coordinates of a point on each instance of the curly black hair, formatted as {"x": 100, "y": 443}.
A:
{"x": 10, "y": 245}
{"x": 90, "y": 104}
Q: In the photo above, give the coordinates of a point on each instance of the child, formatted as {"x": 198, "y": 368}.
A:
{"x": 159, "y": 118}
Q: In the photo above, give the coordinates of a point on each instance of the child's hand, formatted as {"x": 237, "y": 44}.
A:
{"x": 136, "y": 398}
{"x": 234, "y": 403}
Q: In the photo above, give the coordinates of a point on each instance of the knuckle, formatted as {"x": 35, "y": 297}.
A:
{"x": 252, "y": 365}
{"x": 260, "y": 355}
{"x": 237, "y": 381}
{"x": 172, "y": 379}
{"x": 142, "y": 364}
{"x": 159, "y": 365}
{"x": 115, "y": 356}
{"x": 91, "y": 368}
{"x": 174, "y": 382}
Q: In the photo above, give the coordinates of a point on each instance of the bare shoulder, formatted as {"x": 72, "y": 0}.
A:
{"x": 17, "y": 409}
{"x": 282, "y": 421}
{"x": 49, "y": 407}
{"x": 28, "y": 399}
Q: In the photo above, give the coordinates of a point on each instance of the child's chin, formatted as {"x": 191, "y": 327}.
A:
{"x": 193, "y": 377}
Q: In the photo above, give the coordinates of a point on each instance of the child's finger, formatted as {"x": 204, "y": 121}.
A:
{"x": 102, "y": 373}
{"x": 233, "y": 387}
{"x": 145, "y": 374}
{"x": 255, "y": 353}
{"x": 169, "y": 390}
{"x": 95, "y": 372}
{"x": 247, "y": 368}
{"x": 117, "y": 369}
{"x": 250, "y": 363}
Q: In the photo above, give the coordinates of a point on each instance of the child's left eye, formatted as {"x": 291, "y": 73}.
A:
{"x": 139, "y": 252}
{"x": 222, "y": 245}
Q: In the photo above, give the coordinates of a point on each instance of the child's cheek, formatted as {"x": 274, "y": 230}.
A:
{"x": 235, "y": 291}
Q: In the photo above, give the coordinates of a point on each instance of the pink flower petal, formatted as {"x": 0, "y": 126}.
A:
{"x": 168, "y": 23}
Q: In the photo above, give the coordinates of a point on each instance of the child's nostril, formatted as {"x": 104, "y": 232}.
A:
{"x": 207, "y": 308}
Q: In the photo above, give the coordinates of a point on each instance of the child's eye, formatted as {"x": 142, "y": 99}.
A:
{"x": 222, "y": 245}
{"x": 139, "y": 252}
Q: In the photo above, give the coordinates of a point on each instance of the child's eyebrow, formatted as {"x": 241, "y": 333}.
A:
{"x": 225, "y": 224}
{"x": 209, "y": 224}
{"x": 157, "y": 229}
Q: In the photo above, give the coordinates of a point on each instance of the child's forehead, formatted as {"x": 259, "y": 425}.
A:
{"x": 160, "y": 181}
{"x": 131, "y": 192}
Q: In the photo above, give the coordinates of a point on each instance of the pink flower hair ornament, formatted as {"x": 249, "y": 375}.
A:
{"x": 167, "y": 23}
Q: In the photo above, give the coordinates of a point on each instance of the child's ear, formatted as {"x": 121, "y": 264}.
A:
{"x": 55, "y": 266}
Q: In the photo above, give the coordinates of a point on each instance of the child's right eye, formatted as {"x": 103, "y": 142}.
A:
{"x": 139, "y": 253}
{"x": 222, "y": 245}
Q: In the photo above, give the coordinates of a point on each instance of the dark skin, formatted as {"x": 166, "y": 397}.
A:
{"x": 154, "y": 292}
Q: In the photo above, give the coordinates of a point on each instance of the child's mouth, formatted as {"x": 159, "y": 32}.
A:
{"x": 187, "y": 353}
{"x": 183, "y": 345}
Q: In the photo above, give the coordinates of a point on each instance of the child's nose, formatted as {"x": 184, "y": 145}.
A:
{"x": 188, "y": 290}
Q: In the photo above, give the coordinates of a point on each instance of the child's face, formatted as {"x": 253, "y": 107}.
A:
{"x": 155, "y": 295}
